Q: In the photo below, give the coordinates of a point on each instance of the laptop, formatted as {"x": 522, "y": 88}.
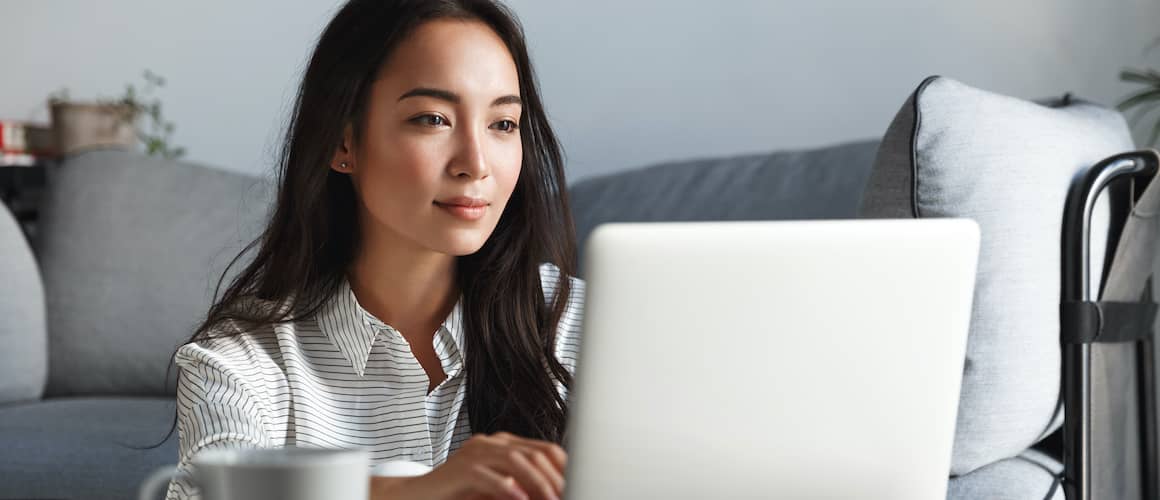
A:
{"x": 803, "y": 360}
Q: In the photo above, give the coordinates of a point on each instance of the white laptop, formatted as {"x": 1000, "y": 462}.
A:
{"x": 799, "y": 360}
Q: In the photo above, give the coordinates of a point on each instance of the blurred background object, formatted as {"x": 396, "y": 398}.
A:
{"x": 1143, "y": 106}
{"x": 114, "y": 122}
{"x": 25, "y": 150}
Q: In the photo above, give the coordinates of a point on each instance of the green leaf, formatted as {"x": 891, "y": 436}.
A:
{"x": 1138, "y": 98}
{"x": 1140, "y": 76}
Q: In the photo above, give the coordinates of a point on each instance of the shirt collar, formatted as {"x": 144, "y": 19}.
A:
{"x": 353, "y": 330}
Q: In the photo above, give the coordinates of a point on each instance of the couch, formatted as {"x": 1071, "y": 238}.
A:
{"x": 127, "y": 259}
{"x": 130, "y": 247}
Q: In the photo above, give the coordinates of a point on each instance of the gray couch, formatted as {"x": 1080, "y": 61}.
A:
{"x": 130, "y": 249}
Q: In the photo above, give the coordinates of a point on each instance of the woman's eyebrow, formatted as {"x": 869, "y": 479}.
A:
{"x": 508, "y": 99}
{"x": 452, "y": 97}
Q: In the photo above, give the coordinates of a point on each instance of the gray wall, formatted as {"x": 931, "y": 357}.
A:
{"x": 626, "y": 82}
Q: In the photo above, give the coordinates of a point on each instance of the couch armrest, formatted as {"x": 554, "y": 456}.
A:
{"x": 23, "y": 334}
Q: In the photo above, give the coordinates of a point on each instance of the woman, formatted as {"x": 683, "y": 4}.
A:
{"x": 411, "y": 293}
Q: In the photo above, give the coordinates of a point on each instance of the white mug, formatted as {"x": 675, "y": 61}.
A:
{"x": 271, "y": 474}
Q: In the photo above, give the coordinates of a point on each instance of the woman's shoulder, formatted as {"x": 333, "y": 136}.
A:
{"x": 230, "y": 344}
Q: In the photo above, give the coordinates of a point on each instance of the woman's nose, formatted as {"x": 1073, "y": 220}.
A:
{"x": 470, "y": 160}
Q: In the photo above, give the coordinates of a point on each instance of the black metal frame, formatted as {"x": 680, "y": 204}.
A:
{"x": 1083, "y": 318}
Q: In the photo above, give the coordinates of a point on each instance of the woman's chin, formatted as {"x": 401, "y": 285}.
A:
{"x": 462, "y": 243}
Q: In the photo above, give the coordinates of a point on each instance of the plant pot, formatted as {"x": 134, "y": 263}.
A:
{"x": 81, "y": 126}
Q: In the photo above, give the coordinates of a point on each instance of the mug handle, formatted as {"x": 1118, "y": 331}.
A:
{"x": 157, "y": 480}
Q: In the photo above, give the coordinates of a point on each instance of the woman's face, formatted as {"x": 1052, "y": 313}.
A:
{"x": 441, "y": 152}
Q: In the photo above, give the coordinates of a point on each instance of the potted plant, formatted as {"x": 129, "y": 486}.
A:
{"x": 1145, "y": 100}
{"x": 114, "y": 122}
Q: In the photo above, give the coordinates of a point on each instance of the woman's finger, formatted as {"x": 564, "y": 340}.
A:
{"x": 490, "y": 483}
{"x": 533, "y": 481}
{"x": 555, "y": 453}
{"x": 541, "y": 460}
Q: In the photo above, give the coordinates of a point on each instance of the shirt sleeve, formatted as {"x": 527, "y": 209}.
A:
{"x": 216, "y": 408}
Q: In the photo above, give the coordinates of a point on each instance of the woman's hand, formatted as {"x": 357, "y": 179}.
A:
{"x": 497, "y": 466}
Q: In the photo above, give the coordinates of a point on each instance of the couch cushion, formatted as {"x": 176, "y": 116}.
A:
{"x": 84, "y": 447}
{"x": 24, "y": 355}
{"x": 956, "y": 151}
{"x": 1029, "y": 476}
{"x": 131, "y": 250}
{"x": 822, "y": 183}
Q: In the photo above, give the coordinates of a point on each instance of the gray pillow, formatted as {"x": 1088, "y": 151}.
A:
{"x": 957, "y": 151}
{"x": 131, "y": 249}
{"x": 23, "y": 340}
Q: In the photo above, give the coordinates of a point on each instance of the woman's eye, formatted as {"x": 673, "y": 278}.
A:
{"x": 505, "y": 126}
{"x": 430, "y": 120}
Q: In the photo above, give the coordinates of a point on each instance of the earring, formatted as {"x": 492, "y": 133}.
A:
{"x": 342, "y": 165}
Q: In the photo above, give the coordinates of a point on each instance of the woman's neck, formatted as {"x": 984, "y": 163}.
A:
{"x": 410, "y": 288}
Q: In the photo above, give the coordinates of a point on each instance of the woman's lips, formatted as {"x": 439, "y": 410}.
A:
{"x": 469, "y": 209}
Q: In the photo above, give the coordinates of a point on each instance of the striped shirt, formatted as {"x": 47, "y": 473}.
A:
{"x": 343, "y": 379}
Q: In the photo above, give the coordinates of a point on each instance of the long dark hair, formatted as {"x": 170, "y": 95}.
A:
{"x": 313, "y": 234}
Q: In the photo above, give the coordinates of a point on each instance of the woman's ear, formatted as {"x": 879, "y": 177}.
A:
{"x": 343, "y": 160}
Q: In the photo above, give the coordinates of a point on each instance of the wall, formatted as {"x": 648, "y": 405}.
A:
{"x": 626, "y": 82}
